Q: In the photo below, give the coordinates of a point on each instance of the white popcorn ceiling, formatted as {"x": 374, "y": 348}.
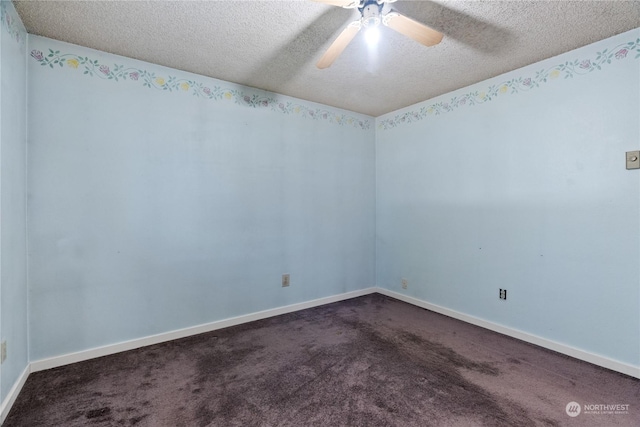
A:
{"x": 274, "y": 45}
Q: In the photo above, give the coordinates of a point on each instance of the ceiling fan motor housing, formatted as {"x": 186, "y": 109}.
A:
{"x": 370, "y": 11}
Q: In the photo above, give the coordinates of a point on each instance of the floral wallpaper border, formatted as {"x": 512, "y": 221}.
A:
{"x": 93, "y": 68}
{"x": 567, "y": 69}
{"x": 10, "y": 23}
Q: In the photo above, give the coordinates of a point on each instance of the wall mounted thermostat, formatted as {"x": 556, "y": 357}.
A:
{"x": 633, "y": 159}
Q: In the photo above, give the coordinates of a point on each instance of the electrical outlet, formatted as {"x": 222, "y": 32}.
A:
{"x": 405, "y": 283}
{"x": 285, "y": 280}
{"x": 3, "y": 351}
{"x": 503, "y": 294}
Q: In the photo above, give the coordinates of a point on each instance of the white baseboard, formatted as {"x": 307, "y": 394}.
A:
{"x": 596, "y": 359}
{"x": 66, "y": 359}
{"x": 7, "y": 403}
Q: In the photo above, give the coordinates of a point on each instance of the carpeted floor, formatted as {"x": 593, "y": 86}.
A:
{"x": 369, "y": 361}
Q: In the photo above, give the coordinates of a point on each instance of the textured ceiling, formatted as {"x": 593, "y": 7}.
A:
{"x": 274, "y": 45}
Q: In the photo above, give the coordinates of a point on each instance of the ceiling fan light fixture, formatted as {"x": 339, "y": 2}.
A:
{"x": 372, "y": 35}
{"x": 371, "y": 22}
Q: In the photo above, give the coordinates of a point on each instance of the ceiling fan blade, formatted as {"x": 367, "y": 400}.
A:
{"x": 339, "y": 45}
{"x": 347, "y": 4}
{"x": 412, "y": 29}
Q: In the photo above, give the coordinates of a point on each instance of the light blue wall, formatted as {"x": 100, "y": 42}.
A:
{"x": 13, "y": 138}
{"x": 163, "y": 207}
{"x": 525, "y": 191}
{"x": 152, "y": 209}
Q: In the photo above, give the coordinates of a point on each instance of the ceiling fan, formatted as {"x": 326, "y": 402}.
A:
{"x": 372, "y": 13}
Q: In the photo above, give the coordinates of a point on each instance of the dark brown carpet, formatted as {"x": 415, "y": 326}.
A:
{"x": 369, "y": 361}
